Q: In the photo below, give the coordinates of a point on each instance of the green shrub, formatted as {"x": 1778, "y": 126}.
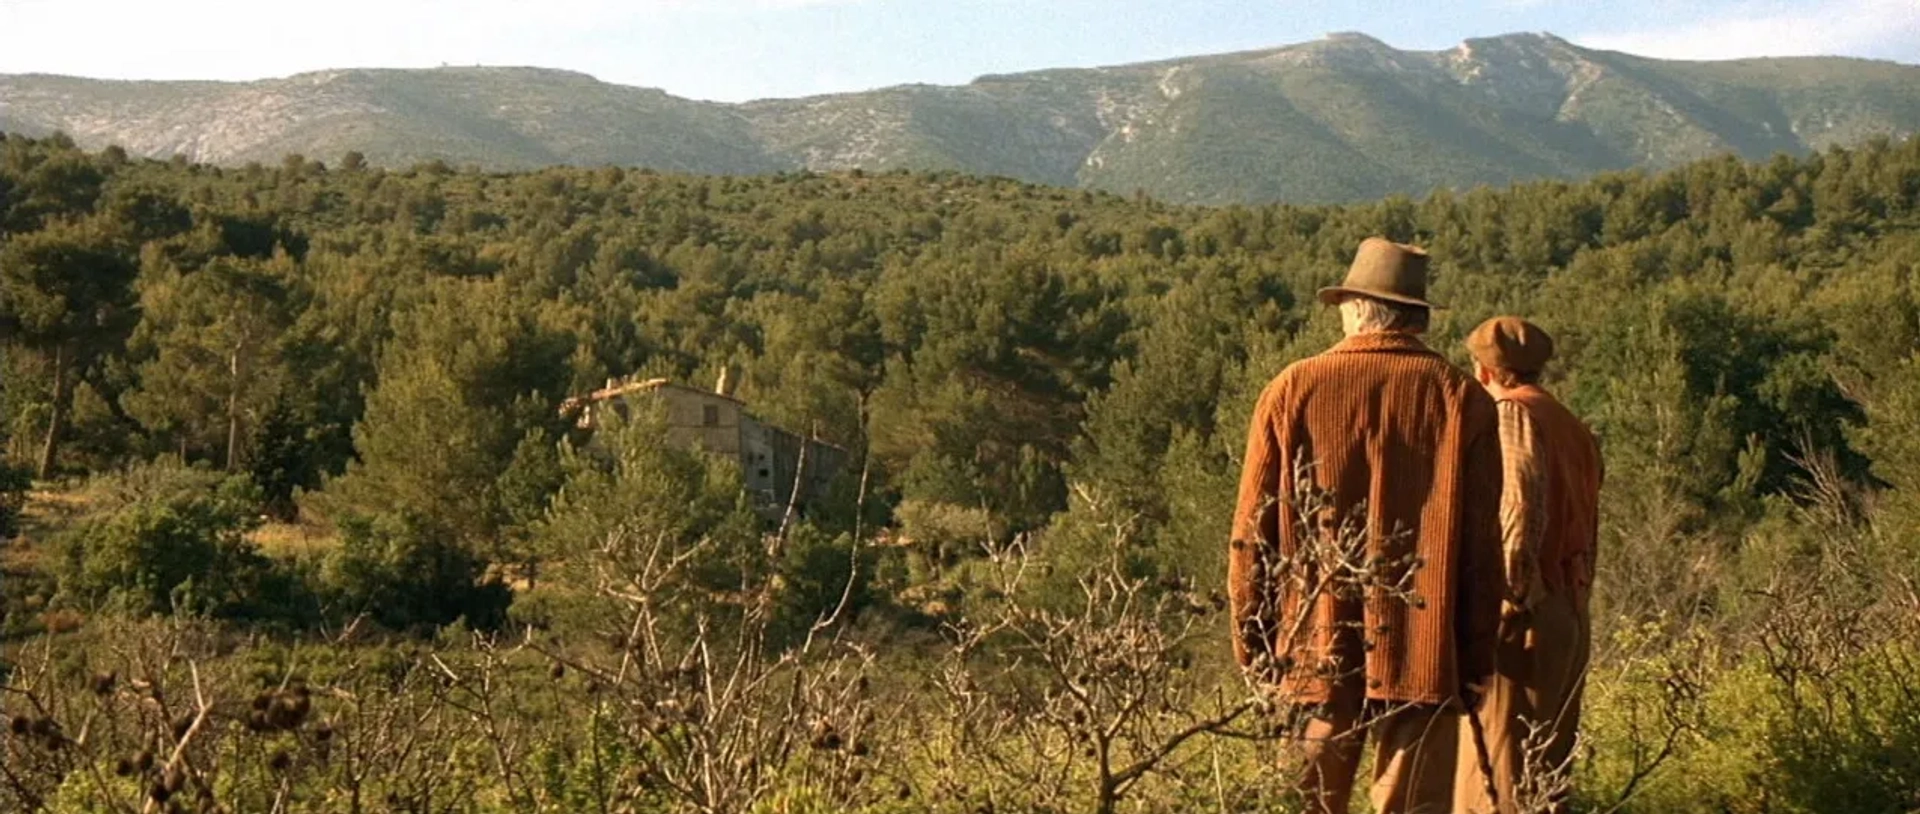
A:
{"x": 405, "y": 573}
{"x": 816, "y": 572}
{"x": 14, "y": 483}
{"x": 1851, "y": 741}
{"x": 164, "y": 537}
{"x": 1829, "y": 728}
{"x": 1657, "y": 739}
{"x": 629, "y": 500}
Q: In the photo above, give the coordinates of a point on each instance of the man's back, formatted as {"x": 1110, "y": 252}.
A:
{"x": 1550, "y": 518}
{"x": 1570, "y": 461}
{"x": 1409, "y": 446}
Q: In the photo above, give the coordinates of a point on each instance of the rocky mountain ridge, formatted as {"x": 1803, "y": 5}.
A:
{"x": 1341, "y": 118}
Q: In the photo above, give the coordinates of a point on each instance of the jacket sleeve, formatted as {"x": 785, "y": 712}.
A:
{"x": 1482, "y": 581}
{"x": 1254, "y": 547}
{"x": 1523, "y": 510}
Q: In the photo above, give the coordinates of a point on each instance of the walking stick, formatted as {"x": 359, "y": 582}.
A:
{"x": 1481, "y": 752}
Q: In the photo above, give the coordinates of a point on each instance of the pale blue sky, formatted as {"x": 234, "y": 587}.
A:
{"x": 741, "y": 49}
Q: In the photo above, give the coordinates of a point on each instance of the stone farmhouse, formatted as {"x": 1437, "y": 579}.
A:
{"x": 772, "y": 460}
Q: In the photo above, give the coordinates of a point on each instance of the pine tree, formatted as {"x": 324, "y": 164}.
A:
{"x": 466, "y": 377}
{"x": 215, "y": 335}
{"x": 66, "y": 293}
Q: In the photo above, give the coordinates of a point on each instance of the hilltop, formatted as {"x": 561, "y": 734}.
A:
{"x": 1343, "y": 118}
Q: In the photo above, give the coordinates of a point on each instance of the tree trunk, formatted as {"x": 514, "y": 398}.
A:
{"x": 233, "y": 411}
{"x": 58, "y": 423}
{"x": 233, "y": 440}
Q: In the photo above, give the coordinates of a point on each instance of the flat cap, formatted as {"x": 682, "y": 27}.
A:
{"x": 1511, "y": 343}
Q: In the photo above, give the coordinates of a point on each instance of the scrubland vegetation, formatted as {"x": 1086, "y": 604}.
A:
{"x": 295, "y": 523}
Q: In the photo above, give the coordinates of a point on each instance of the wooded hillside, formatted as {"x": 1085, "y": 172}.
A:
{"x": 380, "y": 355}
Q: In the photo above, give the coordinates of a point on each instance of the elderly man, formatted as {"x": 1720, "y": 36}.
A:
{"x": 1549, "y": 519}
{"x": 1364, "y": 569}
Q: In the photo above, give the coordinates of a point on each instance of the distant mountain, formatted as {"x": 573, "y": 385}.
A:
{"x": 1342, "y": 118}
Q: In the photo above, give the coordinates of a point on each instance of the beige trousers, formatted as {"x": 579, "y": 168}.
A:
{"x": 1530, "y": 713}
{"x": 1414, "y": 755}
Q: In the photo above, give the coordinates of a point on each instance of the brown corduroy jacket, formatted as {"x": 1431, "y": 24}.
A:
{"x": 1382, "y": 436}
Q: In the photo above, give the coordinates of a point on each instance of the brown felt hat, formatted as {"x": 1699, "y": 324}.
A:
{"x": 1511, "y": 343}
{"x": 1384, "y": 270}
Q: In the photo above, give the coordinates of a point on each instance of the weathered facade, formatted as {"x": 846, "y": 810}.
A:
{"x": 772, "y": 460}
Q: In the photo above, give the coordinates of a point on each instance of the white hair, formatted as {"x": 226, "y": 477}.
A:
{"x": 1366, "y": 315}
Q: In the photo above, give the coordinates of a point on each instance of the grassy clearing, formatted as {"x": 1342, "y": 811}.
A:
{"x": 296, "y": 540}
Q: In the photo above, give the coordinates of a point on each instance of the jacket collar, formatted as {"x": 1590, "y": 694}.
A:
{"x": 1527, "y": 392}
{"x": 1382, "y": 342}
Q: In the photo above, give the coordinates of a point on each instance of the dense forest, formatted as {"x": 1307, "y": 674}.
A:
{"x": 297, "y": 524}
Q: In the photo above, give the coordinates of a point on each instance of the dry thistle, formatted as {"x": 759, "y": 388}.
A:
{"x": 288, "y": 710}
{"x": 825, "y": 737}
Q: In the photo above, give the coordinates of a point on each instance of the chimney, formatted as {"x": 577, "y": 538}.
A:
{"x": 726, "y": 383}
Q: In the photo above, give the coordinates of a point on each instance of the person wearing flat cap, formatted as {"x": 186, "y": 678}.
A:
{"x": 1364, "y": 568}
{"x": 1549, "y": 519}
